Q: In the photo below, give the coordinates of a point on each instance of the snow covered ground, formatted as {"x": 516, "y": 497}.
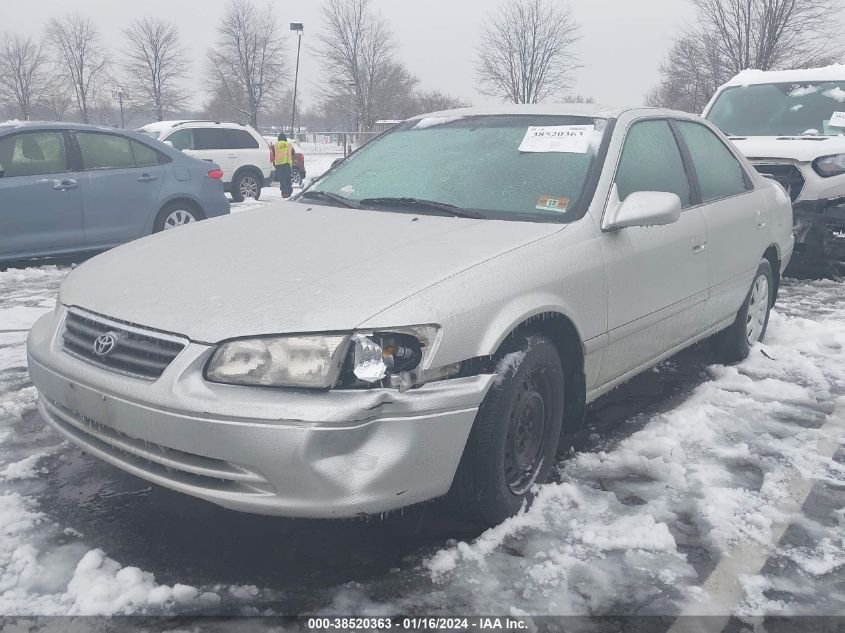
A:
{"x": 691, "y": 474}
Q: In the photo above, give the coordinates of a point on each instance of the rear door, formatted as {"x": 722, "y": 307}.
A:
{"x": 657, "y": 275}
{"x": 40, "y": 198}
{"x": 122, "y": 181}
{"x": 736, "y": 219}
{"x": 213, "y": 144}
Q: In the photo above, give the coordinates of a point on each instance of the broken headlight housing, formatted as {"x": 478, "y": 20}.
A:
{"x": 397, "y": 358}
{"x": 310, "y": 362}
{"x": 828, "y": 166}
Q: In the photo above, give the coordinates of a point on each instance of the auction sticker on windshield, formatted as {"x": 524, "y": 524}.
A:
{"x": 558, "y": 138}
{"x": 549, "y": 203}
{"x": 837, "y": 119}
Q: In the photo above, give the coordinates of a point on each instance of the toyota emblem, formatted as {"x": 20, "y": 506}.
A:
{"x": 105, "y": 344}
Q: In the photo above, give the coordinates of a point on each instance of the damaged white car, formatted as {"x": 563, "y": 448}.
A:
{"x": 432, "y": 315}
{"x": 791, "y": 126}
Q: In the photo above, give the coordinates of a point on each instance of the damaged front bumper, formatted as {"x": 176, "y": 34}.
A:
{"x": 293, "y": 453}
{"x": 819, "y": 227}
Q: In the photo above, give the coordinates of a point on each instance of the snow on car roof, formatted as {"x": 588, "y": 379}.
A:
{"x": 835, "y": 72}
{"x": 561, "y": 109}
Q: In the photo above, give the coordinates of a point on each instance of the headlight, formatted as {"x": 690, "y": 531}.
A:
{"x": 282, "y": 361}
{"x": 398, "y": 358}
{"x": 828, "y": 166}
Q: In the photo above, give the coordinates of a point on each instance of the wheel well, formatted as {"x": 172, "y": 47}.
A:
{"x": 561, "y": 331}
{"x": 251, "y": 168}
{"x": 186, "y": 201}
{"x": 773, "y": 257}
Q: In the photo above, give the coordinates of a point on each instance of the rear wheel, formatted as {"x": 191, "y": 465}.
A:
{"x": 514, "y": 438}
{"x": 246, "y": 185}
{"x": 295, "y": 177}
{"x": 176, "y": 214}
{"x": 749, "y": 327}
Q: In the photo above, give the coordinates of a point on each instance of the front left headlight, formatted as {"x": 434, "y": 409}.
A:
{"x": 310, "y": 362}
{"x": 828, "y": 166}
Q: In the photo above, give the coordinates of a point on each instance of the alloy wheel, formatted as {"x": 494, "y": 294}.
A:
{"x": 180, "y": 217}
{"x": 249, "y": 187}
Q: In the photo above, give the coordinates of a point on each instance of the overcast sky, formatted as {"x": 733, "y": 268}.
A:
{"x": 622, "y": 41}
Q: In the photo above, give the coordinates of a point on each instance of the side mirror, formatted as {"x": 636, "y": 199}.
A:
{"x": 169, "y": 144}
{"x": 642, "y": 208}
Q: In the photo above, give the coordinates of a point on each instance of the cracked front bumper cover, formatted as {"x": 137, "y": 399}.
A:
{"x": 280, "y": 452}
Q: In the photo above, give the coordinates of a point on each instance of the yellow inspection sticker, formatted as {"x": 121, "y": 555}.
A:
{"x": 550, "y": 203}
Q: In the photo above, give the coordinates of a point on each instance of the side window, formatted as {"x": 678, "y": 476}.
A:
{"x": 719, "y": 173}
{"x": 104, "y": 151}
{"x": 33, "y": 154}
{"x": 182, "y": 139}
{"x": 651, "y": 161}
{"x": 146, "y": 156}
{"x": 210, "y": 138}
{"x": 241, "y": 139}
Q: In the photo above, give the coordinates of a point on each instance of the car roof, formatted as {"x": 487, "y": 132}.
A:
{"x": 12, "y": 125}
{"x": 163, "y": 126}
{"x": 591, "y": 110}
{"x": 834, "y": 72}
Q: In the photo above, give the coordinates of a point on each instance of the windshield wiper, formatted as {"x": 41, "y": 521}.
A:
{"x": 433, "y": 205}
{"x": 327, "y": 195}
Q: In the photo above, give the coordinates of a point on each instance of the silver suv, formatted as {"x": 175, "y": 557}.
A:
{"x": 239, "y": 150}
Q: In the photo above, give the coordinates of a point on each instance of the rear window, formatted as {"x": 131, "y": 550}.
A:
{"x": 241, "y": 139}
{"x": 210, "y": 138}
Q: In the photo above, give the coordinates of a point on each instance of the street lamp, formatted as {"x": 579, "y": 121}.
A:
{"x": 298, "y": 28}
{"x": 120, "y": 95}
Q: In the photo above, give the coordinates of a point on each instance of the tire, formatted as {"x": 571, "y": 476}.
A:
{"x": 175, "y": 214}
{"x": 246, "y": 184}
{"x": 295, "y": 177}
{"x": 733, "y": 344}
{"x": 515, "y": 436}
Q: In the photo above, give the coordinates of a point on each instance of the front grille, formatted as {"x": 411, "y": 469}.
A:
{"x": 137, "y": 351}
{"x": 787, "y": 175}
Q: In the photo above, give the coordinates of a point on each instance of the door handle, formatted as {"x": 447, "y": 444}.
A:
{"x": 146, "y": 178}
{"x": 64, "y": 184}
{"x": 761, "y": 220}
{"x": 233, "y": 156}
{"x": 698, "y": 244}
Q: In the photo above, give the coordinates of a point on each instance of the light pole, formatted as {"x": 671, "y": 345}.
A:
{"x": 119, "y": 95}
{"x": 298, "y": 28}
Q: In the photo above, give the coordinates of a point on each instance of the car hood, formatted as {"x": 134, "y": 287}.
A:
{"x": 804, "y": 149}
{"x": 287, "y": 268}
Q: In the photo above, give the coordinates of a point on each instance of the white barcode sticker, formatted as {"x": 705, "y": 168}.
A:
{"x": 573, "y": 139}
{"x": 837, "y": 119}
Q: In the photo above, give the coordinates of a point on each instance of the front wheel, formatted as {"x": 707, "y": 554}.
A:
{"x": 514, "y": 439}
{"x": 733, "y": 344}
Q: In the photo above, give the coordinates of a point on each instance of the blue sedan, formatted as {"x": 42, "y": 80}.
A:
{"x": 68, "y": 188}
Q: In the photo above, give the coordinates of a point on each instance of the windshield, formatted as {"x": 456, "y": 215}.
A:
{"x": 781, "y": 109}
{"x": 511, "y": 167}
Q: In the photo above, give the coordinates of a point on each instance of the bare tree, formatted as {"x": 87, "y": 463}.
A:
{"x": 23, "y": 72}
{"x": 358, "y": 54}
{"x": 732, "y": 35}
{"x": 155, "y": 64}
{"x": 80, "y": 57}
{"x": 248, "y": 65}
{"x": 526, "y": 55}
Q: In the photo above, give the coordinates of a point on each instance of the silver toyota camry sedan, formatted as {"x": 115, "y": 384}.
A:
{"x": 431, "y": 316}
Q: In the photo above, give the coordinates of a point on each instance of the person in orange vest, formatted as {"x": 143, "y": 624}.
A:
{"x": 283, "y": 161}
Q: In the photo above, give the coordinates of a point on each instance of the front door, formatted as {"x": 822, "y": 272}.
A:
{"x": 40, "y": 198}
{"x": 657, "y": 276}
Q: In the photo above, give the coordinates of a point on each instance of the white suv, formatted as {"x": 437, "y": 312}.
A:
{"x": 791, "y": 126}
{"x": 240, "y": 151}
